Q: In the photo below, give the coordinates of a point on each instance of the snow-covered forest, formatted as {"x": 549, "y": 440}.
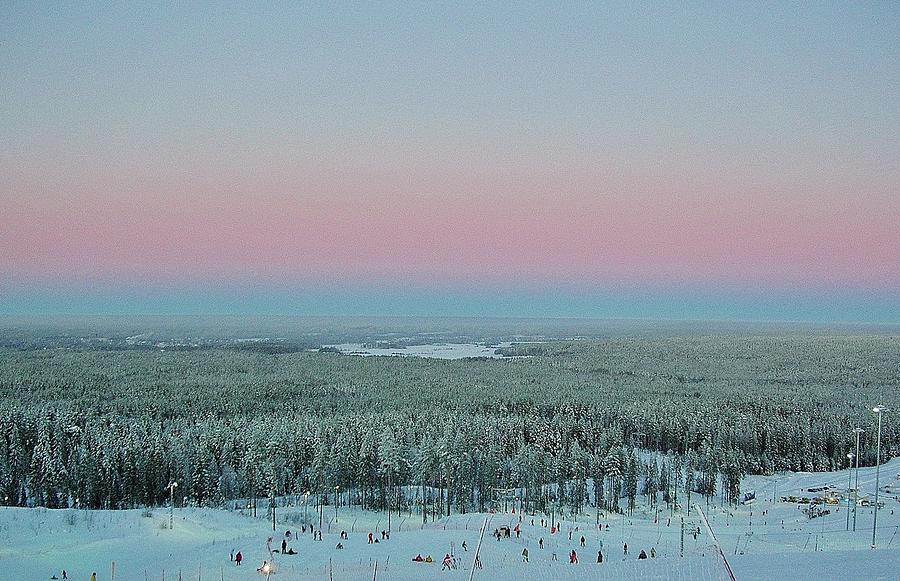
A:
{"x": 110, "y": 429}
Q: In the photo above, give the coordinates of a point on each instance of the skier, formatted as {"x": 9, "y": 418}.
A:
{"x": 446, "y": 563}
{"x": 237, "y": 559}
{"x": 643, "y": 555}
{"x": 525, "y": 554}
{"x": 625, "y": 546}
{"x": 465, "y": 546}
{"x": 65, "y": 575}
{"x": 582, "y": 540}
{"x": 599, "y": 556}
{"x": 573, "y": 557}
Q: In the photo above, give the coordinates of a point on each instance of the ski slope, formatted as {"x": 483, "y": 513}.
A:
{"x": 765, "y": 540}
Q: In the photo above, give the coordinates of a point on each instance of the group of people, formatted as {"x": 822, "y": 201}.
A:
{"x": 65, "y": 576}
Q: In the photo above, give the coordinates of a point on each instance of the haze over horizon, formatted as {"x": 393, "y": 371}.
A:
{"x": 667, "y": 160}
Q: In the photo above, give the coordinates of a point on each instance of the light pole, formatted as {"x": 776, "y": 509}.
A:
{"x": 306, "y": 507}
{"x": 850, "y": 457}
{"x": 171, "y": 488}
{"x": 336, "y": 490}
{"x": 856, "y": 431}
{"x": 878, "y": 410}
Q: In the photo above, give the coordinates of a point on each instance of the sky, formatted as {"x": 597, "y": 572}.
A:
{"x": 638, "y": 160}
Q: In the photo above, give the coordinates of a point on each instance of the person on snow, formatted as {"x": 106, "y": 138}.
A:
{"x": 573, "y": 557}
{"x": 371, "y": 538}
{"x": 418, "y": 558}
{"x": 339, "y": 546}
{"x": 642, "y": 556}
{"x": 625, "y": 546}
{"x": 582, "y": 540}
{"x": 525, "y": 554}
{"x": 652, "y": 552}
{"x": 446, "y": 563}
{"x": 570, "y": 535}
{"x": 65, "y": 575}
{"x": 599, "y": 556}
{"x": 94, "y": 576}
{"x": 231, "y": 556}
{"x": 283, "y": 545}
{"x": 237, "y": 559}
{"x": 465, "y": 546}
{"x": 428, "y": 559}
{"x": 541, "y": 542}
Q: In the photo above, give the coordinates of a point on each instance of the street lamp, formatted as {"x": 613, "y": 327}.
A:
{"x": 171, "y": 488}
{"x": 850, "y": 457}
{"x": 306, "y": 507}
{"x": 856, "y": 431}
{"x": 878, "y": 410}
{"x": 336, "y": 490}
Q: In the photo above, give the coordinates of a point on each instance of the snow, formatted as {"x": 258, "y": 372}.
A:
{"x": 37, "y": 543}
{"x": 431, "y": 351}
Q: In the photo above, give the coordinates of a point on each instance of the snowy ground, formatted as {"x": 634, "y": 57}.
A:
{"x": 764, "y": 541}
{"x": 435, "y": 351}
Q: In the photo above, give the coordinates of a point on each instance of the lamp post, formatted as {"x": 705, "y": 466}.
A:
{"x": 171, "y": 488}
{"x": 878, "y": 410}
{"x": 850, "y": 457}
{"x": 306, "y": 507}
{"x": 856, "y": 431}
{"x": 336, "y": 490}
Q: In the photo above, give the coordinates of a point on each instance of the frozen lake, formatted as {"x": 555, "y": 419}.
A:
{"x": 433, "y": 351}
